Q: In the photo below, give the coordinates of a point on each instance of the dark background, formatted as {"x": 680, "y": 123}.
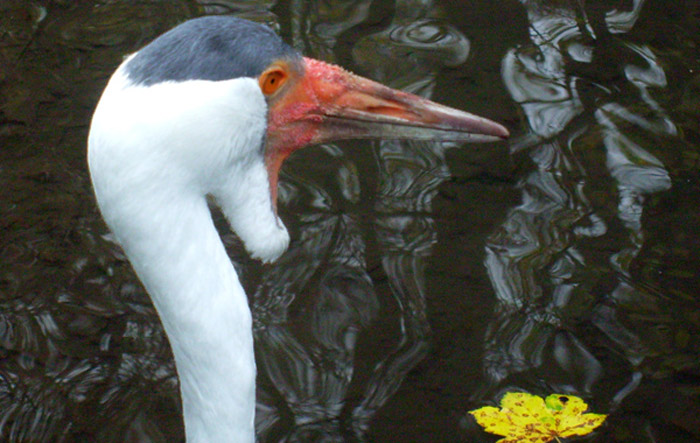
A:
{"x": 423, "y": 280}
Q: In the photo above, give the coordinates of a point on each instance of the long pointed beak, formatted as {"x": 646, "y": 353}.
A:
{"x": 356, "y": 107}
{"x": 328, "y": 103}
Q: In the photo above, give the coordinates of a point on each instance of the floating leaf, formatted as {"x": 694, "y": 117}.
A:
{"x": 528, "y": 418}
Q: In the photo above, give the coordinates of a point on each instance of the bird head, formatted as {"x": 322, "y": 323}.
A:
{"x": 215, "y": 106}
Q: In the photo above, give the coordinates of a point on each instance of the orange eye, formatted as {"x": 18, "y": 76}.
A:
{"x": 272, "y": 79}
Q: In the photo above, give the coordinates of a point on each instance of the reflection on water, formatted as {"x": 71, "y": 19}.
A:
{"x": 540, "y": 260}
{"x": 592, "y": 269}
{"x": 310, "y": 359}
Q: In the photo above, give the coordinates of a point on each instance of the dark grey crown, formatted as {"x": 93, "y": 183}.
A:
{"x": 209, "y": 48}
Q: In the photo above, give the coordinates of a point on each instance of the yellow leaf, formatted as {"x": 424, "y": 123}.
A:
{"x": 528, "y": 418}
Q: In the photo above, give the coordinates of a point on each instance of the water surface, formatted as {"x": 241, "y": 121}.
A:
{"x": 423, "y": 279}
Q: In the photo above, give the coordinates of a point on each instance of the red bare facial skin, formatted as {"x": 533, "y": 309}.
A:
{"x": 299, "y": 115}
{"x": 322, "y": 102}
{"x": 294, "y": 117}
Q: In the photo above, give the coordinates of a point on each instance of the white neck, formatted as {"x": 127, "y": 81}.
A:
{"x": 184, "y": 266}
{"x": 154, "y": 154}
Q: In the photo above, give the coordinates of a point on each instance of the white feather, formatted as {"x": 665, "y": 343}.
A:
{"x": 154, "y": 154}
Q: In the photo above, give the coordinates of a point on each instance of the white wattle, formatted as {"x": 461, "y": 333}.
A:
{"x": 154, "y": 154}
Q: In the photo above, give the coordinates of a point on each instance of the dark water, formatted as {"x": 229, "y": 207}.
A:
{"x": 423, "y": 280}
